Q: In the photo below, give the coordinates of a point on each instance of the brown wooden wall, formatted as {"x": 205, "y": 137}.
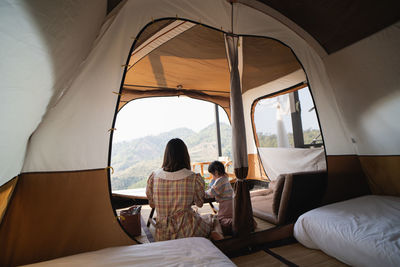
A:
{"x": 57, "y": 214}
{"x": 383, "y": 174}
{"x": 351, "y": 176}
{"x": 346, "y": 178}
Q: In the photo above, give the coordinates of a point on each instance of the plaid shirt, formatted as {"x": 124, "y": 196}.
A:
{"x": 173, "y": 194}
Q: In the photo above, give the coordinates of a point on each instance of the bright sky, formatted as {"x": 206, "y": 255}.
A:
{"x": 152, "y": 116}
{"x": 265, "y": 114}
{"x": 155, "y": 115}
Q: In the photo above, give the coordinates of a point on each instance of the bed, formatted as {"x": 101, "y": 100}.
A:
{"x": 363, "y": 231}
{"x": 193, "y": 251}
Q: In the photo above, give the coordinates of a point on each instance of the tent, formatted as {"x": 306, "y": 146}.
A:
{"x": 65, "y": 73}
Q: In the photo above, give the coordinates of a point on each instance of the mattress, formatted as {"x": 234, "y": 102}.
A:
{"x": 193, "y": 251}
{"x": 363, "y": 231}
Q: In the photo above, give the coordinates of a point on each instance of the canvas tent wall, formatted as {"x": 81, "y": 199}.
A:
{"x": 57, "y": 116}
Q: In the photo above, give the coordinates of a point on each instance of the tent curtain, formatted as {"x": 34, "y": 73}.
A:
{"x": 243, "y": 213}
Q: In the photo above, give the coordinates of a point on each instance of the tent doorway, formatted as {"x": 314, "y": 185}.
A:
{"x": 182, "y": 58}
{"x": 144, "y": 126}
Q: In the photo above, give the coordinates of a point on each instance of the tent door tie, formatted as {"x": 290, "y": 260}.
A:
{"x": 112, "y": 169}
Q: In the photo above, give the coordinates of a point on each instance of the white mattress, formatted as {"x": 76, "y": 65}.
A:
{"x": 363, "y": 231}
{"x": 193, "y": 251}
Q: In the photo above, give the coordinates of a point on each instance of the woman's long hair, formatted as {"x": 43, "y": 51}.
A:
{"x": 176, "y": 156}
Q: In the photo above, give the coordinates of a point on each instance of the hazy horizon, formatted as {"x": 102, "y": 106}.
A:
{"x": 152, "y": 116}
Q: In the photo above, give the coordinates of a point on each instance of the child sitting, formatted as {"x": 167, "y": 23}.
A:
{"x": 221, "y": 189}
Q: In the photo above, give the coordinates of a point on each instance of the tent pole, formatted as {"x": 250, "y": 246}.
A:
{"x": 218, "y": 131}
{"x": 295, "y": 110}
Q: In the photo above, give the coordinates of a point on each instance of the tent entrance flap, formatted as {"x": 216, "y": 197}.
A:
{"x": 242, "y": 213}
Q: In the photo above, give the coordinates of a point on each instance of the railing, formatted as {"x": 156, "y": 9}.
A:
{"x": 204, "y": 169}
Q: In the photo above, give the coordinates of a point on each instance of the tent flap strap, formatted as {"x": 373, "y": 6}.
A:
{"x": 242, "y": 222}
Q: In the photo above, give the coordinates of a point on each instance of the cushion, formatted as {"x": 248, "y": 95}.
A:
{"x": 277, "y": 186}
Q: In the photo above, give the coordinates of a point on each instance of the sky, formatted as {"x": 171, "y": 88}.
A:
{"x": 155, "y": 115}
{"x": 265, "y": 114}
{"x": 152, "y": 116}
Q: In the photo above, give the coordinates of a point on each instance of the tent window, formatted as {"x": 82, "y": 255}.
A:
{"x": 288, "y": 135}
{"x": 144, "y": 126}
{"x": 287, "y": 120}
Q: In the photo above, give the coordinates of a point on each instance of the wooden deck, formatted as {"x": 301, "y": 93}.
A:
{"x": 206, "y": 209}
{"x": 296, "y": 254}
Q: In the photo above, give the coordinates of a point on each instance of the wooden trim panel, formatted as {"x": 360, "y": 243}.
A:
{"x": 58, "y": 214}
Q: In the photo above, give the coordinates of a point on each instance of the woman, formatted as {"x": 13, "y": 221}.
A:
{"x": 172, "y": 190}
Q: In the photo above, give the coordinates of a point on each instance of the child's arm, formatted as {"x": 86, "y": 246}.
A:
{"x": 208, "y": 191}
{"x": 214, "y": 189}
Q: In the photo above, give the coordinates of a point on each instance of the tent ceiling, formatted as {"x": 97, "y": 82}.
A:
{"x": 265, "y": 60}
{"x": 195, "y": 61}
{"x": 335, "y": 24}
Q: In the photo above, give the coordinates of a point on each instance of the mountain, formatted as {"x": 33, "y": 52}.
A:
{"x": 134, "y": 160}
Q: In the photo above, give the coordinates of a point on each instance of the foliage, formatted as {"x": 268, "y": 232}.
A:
{"x": 271, "y": 140}
{"x": 134, "y": 160}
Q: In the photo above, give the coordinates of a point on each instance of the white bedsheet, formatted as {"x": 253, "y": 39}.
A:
{"x": 193, "y": 251}
{"x": 363, "y": 231}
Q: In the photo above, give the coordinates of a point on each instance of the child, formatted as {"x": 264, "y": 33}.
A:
{"x": 221, "y": 189}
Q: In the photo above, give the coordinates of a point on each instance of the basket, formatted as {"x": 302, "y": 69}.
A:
{"x": 130, "y": 220}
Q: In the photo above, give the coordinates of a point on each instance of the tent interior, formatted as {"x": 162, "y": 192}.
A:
{"x": 83, "y": 61}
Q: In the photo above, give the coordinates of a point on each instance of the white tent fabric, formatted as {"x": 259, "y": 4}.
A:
{"x": 42, "y": 45}
{"x": 335, "y": 134}
{"x": 368, "y": 91}
{"x": 278, "y": 161}
{"x": 73, "y": 134}
{"x": 158, "y": 39}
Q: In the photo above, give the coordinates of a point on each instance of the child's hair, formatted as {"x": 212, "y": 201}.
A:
{"x": 216, "y": 166}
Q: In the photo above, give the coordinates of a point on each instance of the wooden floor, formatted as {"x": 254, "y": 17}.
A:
{"x": 206, "y": 209}
{"x": 294, "y": 253}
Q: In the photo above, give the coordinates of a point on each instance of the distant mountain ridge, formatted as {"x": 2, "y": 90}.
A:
{"x": 134, "y": 160}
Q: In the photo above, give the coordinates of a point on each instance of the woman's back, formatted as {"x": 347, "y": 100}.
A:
{"x": 173, "y": 194}
{"x": 176, "y": 191}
